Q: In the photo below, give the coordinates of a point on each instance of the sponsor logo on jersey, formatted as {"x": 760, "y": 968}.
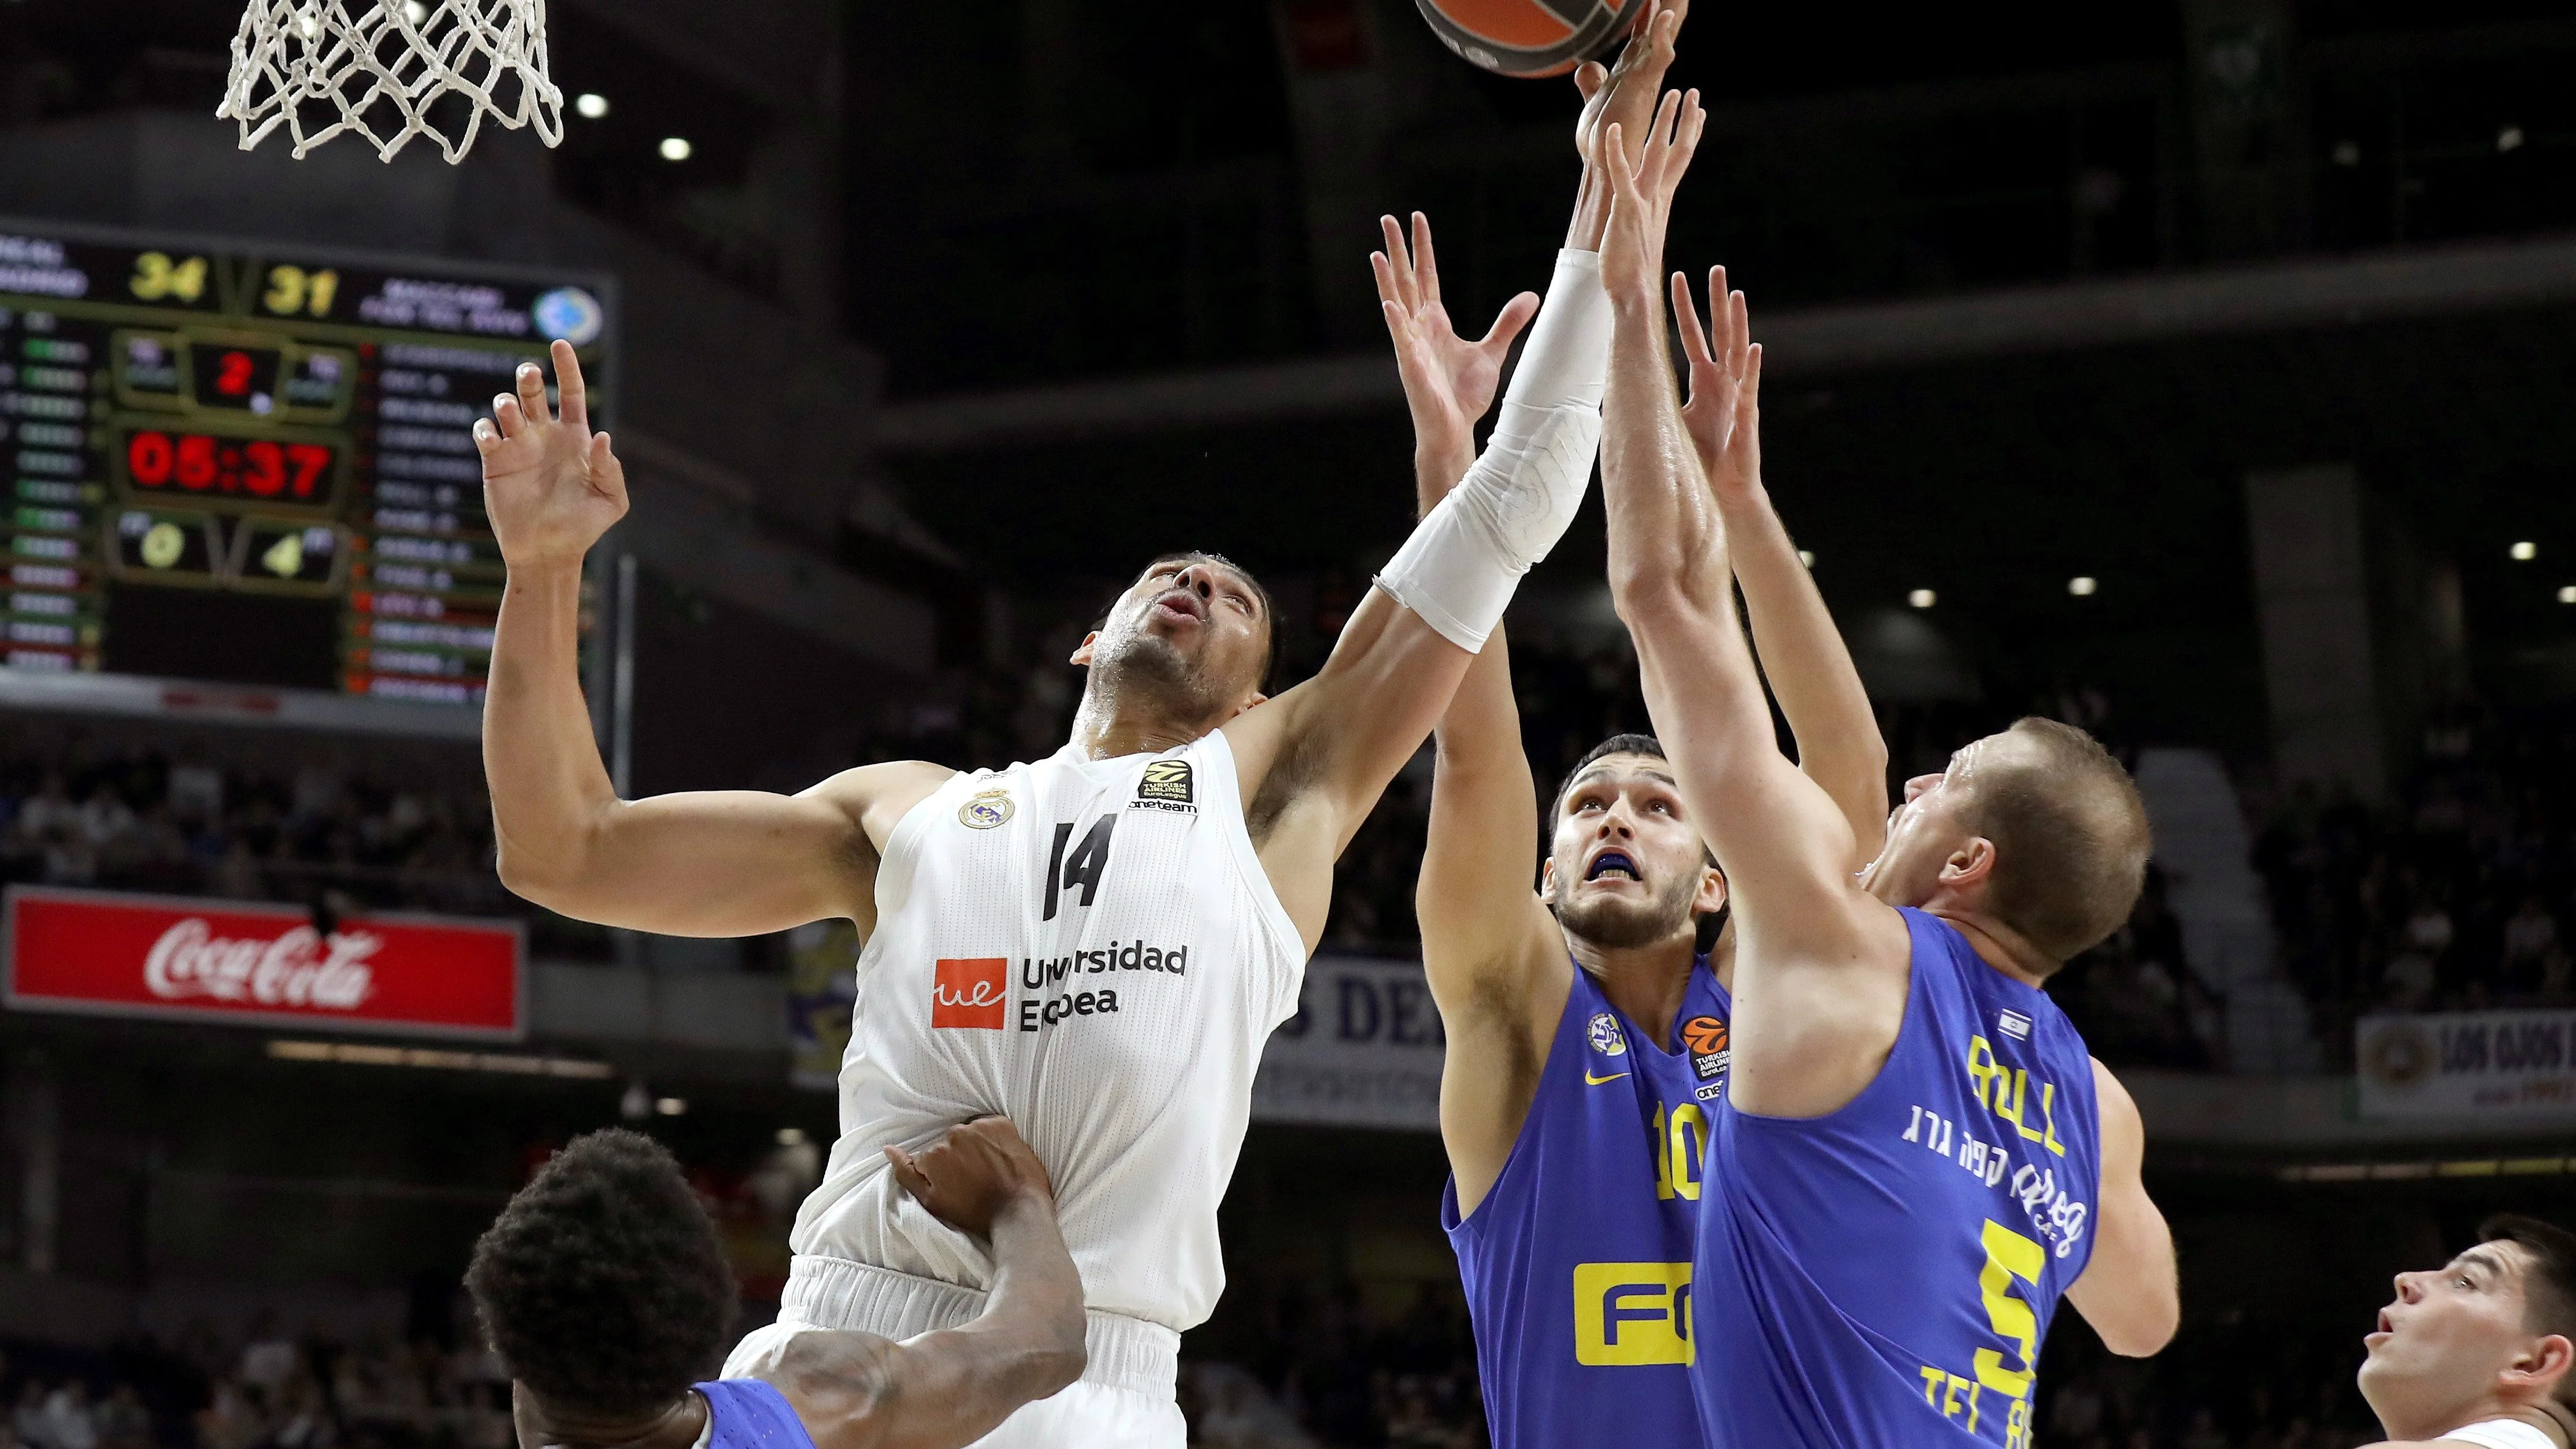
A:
{"x": 1704, "y": 1037}
{"x": 973, "y": 992}
{"x": 2013, "y": 1024}
{"x": 1035, "y": 1013}
{"x": 1626, "y": 1314}
{"x": 1604, "y": 1032}
{"x": 1167, "y": 785}
{"x": 1037, "y": 971}
{"x": 986, "y": 810}
{"x": 1592, "y": 1080}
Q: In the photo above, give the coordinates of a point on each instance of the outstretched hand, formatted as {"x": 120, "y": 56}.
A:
{"x": 1724, "y": 414}
{"x": 1641, "y": 195}
{"x": 1449, "y": 381}
{"x": 1623, "y": 95}
{"x": 551, "y": 486}
{"x": 974, "y": 1171}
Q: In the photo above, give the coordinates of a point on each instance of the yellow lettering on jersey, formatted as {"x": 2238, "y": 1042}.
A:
{"x": 1983, "y": 1069}
{"x": 2017, "y": 1425}
{"x": 1686, "y": 1145}
{"x": 1663, "y": 1159}
{"x": 2020, "y": 1093}
{"x": 2009, "y": 1255}
{"x": 1627, "y": 1314}
{"x": 1951, "y": 1396}
{"x": 2048, "y": 1113}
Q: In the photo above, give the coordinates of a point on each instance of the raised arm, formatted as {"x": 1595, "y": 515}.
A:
{"x": 1325, "y": 750}
{"x": 718, "y": 863}
{"x": 952, "y": 1387}
{"x": 1491, "y": 951}
{"x": 1814, "y": 954}
{"x": 1794, "y": 638}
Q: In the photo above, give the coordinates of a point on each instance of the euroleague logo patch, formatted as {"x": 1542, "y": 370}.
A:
{"x": 986, "y": 810}
{"x": 1167, "y": 785}
{"x": 1704, "y": 1037}
{"x": 973, "y": 992}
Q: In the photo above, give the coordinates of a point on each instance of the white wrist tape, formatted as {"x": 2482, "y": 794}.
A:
{"x": 1462, "y": 563}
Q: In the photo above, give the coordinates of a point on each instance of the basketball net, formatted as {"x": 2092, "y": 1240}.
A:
{"x": 376, "y": 67}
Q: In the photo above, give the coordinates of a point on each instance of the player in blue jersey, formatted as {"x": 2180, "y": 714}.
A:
{"x": 1915, "y": 1157}
{"x": 604, "y": 1290}
{"x": 1587, "y": 1034}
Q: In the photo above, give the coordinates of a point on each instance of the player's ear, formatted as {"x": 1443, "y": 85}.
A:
{"x": 1547, "y": 877}
{"x": 1971, "y": 865}
{"x": 2544, "y": 1365}
{"x": 1712, "y": 892}
{"x": 1082, "y": 652}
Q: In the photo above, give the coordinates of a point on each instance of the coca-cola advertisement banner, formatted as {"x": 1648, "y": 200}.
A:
{"x": 260, "y": 965}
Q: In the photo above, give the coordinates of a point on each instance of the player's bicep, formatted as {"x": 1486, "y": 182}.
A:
{"x": 1389, "y": 679}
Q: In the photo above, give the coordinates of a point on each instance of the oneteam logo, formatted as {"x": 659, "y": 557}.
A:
{"x": 1166, "y": 785}
{"x": 973, "y": 992}
{"x": 1603, "y": 1030}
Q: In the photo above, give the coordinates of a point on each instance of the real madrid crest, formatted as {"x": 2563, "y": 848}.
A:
{"x": 986, "y": 810}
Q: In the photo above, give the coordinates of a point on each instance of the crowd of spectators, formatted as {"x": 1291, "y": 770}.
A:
{"x": 1326, "y": 1368}
{"x": 2452, "y": 893}
{"x": 263, "y": 1390}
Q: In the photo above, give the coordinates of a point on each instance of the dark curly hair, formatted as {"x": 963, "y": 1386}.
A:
{"x": 602, "y": 1285}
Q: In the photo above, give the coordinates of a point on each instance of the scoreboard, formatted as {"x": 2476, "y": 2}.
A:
{"x": 253, "y": 464}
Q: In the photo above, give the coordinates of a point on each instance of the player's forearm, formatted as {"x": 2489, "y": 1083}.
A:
{"x": 1810, "y": 669}
{"x": 953, "y": 1387}
{"x": 548, "y": 785}
{"x": 1475, "y": 877}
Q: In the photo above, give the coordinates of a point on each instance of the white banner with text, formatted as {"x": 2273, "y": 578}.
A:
{"x": 2467, "y": 1064}
{"x": 1363, "y": 1050}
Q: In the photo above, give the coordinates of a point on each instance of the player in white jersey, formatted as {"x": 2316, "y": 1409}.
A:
{"x": 1094, "y": 945}
{"x": 2479, "y": 1352}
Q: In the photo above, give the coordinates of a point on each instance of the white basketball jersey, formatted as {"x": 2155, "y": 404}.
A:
{"x": 1091, "y": 949}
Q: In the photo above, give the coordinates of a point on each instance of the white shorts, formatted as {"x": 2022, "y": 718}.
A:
{"x": 1124, "y": 1398}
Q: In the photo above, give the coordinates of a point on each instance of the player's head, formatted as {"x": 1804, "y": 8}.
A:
{"x": 2036, "y": 829}
{"x": 1192, "y": 632}
{"x": 1625, "y": 867}
{"x": 604, "y": 1290}
{"x": 2492, "y": 1330}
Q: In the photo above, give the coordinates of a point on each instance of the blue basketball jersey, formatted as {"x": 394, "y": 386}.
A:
{"x": 1885, "y": 1274}
{"x": 1577, "y": 1265}
{"x": 750, "y": 1414}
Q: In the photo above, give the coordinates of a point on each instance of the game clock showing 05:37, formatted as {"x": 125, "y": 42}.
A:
{"x": 249, "y": 463}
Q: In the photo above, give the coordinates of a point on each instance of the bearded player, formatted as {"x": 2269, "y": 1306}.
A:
{"x": 2478, "y": 1352}
{"x": 1914, "y": 1157}
{"x": 1094, "y": 945}
{"x": 1587, "y": 1031}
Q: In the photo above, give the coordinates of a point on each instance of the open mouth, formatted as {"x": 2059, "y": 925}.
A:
{"x": 1184, "y": 603}
{"x": 1610, "y": 862}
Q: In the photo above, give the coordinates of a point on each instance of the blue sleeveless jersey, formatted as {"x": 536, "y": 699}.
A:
{"x": 1577, "y": 1265}
{"x": 749, "y": 1414}
{"x": 1884, "y": 1274}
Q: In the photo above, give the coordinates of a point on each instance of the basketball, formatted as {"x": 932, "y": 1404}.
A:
{"x": 1530, "y": 37}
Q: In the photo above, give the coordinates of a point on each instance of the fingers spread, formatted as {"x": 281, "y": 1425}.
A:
{"x": 1515, "y": 315}
{"x": 531, "y": 386}
{"x": 1739, "y": 326}
{"x": 505, "y": 411}
{"x": 486, "y": 436}
{"x": 570, "y": 391}
{"x": 1694, "y": 340}
{"x": 1426, "y": 268}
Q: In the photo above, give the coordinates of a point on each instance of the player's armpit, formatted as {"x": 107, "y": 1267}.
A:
{"x": 2130, "y": 1291}
{"x": 722, "y": 862}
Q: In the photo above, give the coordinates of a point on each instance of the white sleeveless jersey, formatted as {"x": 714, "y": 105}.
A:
{"x": 1091, "y": 949}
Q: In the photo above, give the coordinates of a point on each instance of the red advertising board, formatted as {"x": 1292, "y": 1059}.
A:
{"x": 231, "y": 963}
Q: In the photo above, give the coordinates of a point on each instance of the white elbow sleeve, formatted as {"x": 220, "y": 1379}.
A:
{"x": 1462, "y": 563}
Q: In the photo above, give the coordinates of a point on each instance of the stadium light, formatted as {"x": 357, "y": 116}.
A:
{"x": 591, "y": 104}
{"x": 2509, "y": 139}
{"x": 1807, "y": 557}
{"x": 2567, "y": 594}
{"x": 670, "y": 1106}
{"x": 791, "y": 1136}
{"x": 2347, "y": 153}
{"x": 2082, "y": 586}
{"x": 675, "y": 148}
{"x": 2524, "y": 552}
{"x": 1920, "y": 598}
